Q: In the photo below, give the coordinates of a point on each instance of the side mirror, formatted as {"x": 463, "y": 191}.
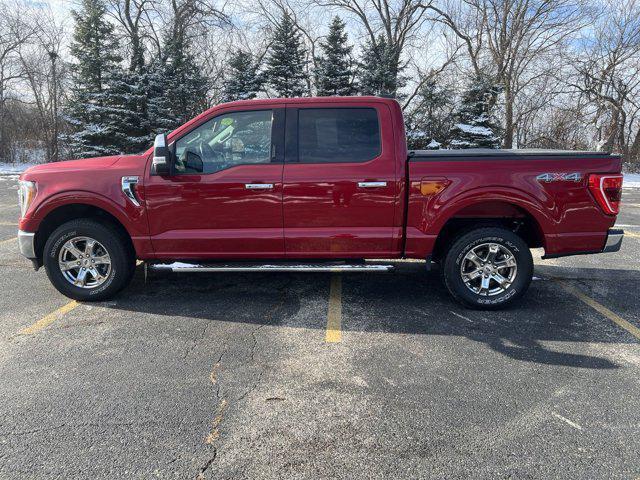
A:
{"x": 161, "y": 164}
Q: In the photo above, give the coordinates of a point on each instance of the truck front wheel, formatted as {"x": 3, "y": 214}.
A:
{"x": 488, "y": 268}
{"x": 87, "y": 260}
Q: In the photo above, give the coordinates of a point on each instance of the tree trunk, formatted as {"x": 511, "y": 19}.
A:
{"x": 508, "y": 118}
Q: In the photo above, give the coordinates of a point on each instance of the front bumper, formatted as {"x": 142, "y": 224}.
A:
{"x": 614, "y": 240}
{"x": 27, "y": 243}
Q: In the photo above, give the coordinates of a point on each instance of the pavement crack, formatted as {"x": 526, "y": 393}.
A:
{"x": 195, "y": 341}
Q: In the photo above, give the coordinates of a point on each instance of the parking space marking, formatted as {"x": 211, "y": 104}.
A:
{"x": 8, "y": 224}
{"x": 614, "y": 317}
{"x": 14, "y": 239}
{"x": 632, "y": 234}
{"x": 334, "y": 316}
{"x": 49, "y": 319}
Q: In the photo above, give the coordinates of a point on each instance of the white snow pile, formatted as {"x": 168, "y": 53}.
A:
{"x": 14, "y": 168}
{"x": 475, "y": 129}
{"x": 631, "y": 180}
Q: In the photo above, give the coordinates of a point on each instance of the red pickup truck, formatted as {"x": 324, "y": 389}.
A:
{"x": 315, "y": 184}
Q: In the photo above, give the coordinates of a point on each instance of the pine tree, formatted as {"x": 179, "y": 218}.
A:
{"x": 475, "y": 126}
{"x": 186, "y": 86}
{"x": 380, "y": 69}
{"x": 90, "y": 112}
{"x": 243, "y": 81}
{"x": 160, "y": 117}
{"x": 128, "y": 111}
{"x": 285, "y": 71}
{"x": 334, "y": 75}
{"x": 429, "y": 120}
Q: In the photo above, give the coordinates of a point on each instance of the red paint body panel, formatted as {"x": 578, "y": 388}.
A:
{"x": 318, "y": 210}
{"x": 326, "y": 213}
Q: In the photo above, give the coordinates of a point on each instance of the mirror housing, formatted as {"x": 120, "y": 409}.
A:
{"x": 161, "y": 164}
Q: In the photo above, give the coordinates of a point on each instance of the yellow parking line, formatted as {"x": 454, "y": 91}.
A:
{"x": 49, "y": 319}
{"x": 614, "y": 317}
{"x": 2, "y": 242}
{"x": 334, "y": 317}
{"x": 8, "y": 224}
{"x": 631, "y": 234}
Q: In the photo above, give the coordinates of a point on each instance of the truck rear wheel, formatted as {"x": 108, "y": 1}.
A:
{"x": 87, "y": 260}
{"x": 488, "y": 268}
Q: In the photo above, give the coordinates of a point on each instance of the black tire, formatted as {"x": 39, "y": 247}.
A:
{"x": 477, "y": 239}
{"x": 115, "y": 244}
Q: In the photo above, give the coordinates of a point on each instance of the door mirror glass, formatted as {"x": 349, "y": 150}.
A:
{"x": 161, "y": 164}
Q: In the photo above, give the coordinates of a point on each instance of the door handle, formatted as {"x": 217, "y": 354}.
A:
{"x": 258, "y": 186}
{"x": 372, "y": 184}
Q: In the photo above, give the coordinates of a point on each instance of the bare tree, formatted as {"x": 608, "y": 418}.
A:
{"x": 608, "y": 75}
{"x": 15, "y": 32}
{"x": 44, "y": 73}
{"x": 511, "y": 38}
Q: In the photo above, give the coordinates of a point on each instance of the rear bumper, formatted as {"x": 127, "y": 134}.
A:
{"x": 612, "y": 244}
{"x": 26, "y": 242}
{"x": 614, "y": 240}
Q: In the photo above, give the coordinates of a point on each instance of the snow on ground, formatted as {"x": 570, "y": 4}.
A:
{"x": 631, "y": 180}
{"x": 14, "y": 168}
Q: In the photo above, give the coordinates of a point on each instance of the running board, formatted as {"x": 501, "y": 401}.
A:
{"x": 298, "y": 267}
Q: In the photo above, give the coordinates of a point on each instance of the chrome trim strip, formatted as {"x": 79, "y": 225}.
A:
{"x": 128, "y": 185}
{"x": 194, "y": 267}
{"x": 258, "y": 186}
{"x": 26, "y": 242}
{"x": 614, "y": 240}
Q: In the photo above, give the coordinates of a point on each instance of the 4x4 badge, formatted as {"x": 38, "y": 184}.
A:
{"x": 559, "y": 177}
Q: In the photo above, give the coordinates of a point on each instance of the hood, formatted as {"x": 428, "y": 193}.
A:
{"x": 74, "y": 165}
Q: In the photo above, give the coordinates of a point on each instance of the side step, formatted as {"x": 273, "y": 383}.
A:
{"x": 264, "y": 267}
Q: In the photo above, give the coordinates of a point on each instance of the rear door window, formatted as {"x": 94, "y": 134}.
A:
{"x": 338, "y": 135}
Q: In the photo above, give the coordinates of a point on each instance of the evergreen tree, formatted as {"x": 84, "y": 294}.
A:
{"x": 334, "y": 75}
{"x": 243, "y": 81}
{"x": 285, "y": 71}
{"x": 90, "y": 113}
{"x": 475, "y": 126}
{"x": 128, "y": 111}
{"x": 160, "y": 117}
{"x": 380, "y": 69}
{"x": 429, "y": 121}
{"x": 186, "y": 87}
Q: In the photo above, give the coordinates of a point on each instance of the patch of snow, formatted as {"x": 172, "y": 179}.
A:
{"x": 631, "y": 180}
{"x": 14, "y": 168}
{"x": 434, "y": 144}
{"x": 474, "y": 129}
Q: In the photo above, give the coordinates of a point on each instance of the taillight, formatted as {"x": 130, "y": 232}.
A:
{"x": 607, "y": 190}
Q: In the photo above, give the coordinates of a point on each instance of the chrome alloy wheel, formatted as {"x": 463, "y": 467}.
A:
{"x": 488, "y": 269}
{"x": 84, "y": 262}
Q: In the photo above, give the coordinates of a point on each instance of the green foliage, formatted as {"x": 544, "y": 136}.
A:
{"x": 475, "y": 125}
{"x": 285, "y": 71}
{"x": 430, "y": 118}
{"x": 90, "y": 110}
{"x": 243, "y": 81}
{"x": 334, "y": 73}
{"x": 380, "y": 70}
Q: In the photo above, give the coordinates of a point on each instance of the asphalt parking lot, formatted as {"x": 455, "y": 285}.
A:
{"x": 233, "y": 376}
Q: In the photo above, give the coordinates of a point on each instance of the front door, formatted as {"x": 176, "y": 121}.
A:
{"x": 339, "y": 182}
{"x": 224, "y": 197}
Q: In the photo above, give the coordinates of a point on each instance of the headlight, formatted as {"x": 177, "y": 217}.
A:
{"x": 26, "y": 194}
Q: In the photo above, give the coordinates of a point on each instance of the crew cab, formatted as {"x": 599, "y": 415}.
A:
{"x": 315, "y": 184}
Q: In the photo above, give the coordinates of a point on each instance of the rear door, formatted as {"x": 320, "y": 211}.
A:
{"x": 339, "y": 181}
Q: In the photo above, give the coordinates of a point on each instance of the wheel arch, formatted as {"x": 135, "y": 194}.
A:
{"x": 71, "y": 211}
{"x": 523, "y": 218}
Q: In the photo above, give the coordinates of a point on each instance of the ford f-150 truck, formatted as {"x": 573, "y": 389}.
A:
{"x": 315, "y": 184}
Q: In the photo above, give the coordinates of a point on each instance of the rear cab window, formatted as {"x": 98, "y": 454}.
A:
{"x": 338, "y": 135}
